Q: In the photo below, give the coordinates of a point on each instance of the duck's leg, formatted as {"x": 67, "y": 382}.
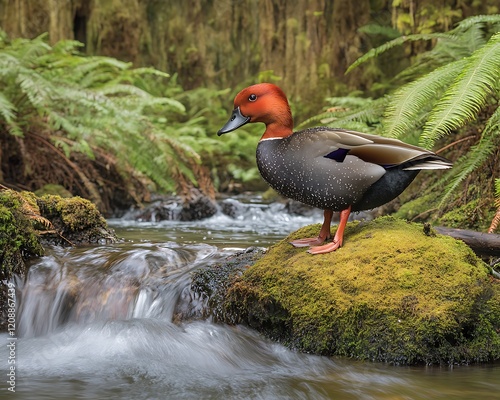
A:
{"x": 324, "y": 233}
{"x": 338, "y": 238}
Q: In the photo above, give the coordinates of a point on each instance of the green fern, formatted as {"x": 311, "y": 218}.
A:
{"x": 476, "y": 157}
{"x": 467, "y": 95}
{"x": 351, "y": 113}
{"x": 478, "y": 21}
{"x": 8, "y": 112}
{"x": 376, "y": 52}
{"x": 410, "y": 102}
{"x": 88, "y": 104}
{"x": 376, "y": 29}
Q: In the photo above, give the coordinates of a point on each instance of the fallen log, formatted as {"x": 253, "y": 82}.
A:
{"x": 483, "y": 244}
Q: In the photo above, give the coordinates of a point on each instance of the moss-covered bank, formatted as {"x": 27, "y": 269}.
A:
{"x": 29, "y": 221}
{"x": 18, "y": 238}
{"x": 390, "y": 294}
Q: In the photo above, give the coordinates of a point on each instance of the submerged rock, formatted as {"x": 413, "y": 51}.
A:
{"x": 391, "y": 293}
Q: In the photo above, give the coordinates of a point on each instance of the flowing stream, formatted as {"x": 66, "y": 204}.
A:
{"x": 96, "y": 323}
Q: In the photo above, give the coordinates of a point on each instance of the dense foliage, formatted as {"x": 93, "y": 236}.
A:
{"x": 304, "y": 45}
{"x": 68, "y": 118}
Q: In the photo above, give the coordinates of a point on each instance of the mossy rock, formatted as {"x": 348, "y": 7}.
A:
{"x": 77, "y": 221}
{"x": 204, "y": 298}
{"x": 28, "y": 221}
{"x": 391, "y": 293}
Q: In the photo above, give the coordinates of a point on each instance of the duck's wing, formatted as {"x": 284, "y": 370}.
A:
{"x": 336, "y": 144}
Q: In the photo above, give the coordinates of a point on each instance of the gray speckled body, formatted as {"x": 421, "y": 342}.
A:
{"x": 298, "y": 167}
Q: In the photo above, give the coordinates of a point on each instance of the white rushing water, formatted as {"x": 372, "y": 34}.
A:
{"x": 97, "y": 323}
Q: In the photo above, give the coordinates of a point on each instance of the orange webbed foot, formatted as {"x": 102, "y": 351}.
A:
{"x": 324, "y": 233}
{"x": 308, "y": 242}
{"x": 339, "y": 236}
{"x": 327, "y": 248}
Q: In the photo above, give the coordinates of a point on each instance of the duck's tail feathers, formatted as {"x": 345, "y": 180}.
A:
{"x": 431, "y": 161}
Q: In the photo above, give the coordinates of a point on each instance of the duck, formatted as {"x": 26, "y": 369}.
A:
{"x": 336, "y": 170}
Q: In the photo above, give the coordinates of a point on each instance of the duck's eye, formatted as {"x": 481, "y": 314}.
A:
{"x": 252, "y": 97}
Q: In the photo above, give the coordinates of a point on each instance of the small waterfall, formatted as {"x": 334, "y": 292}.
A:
{"x": 141, "y": 279}
{"x": 99, "y": 284}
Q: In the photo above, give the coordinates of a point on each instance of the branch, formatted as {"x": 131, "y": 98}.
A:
{"x": 483, "y": 244}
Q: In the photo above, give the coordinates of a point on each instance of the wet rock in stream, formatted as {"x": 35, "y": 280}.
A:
{"x": 204, "y": 298}
{"x": 175, "y": 208}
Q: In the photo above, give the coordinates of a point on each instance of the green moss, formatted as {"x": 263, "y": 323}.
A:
{"x": 76, "y": 219}
{"x": 477, "y": 214}
{"x": 71, "y": 215}
{"x": 418, "y": 206}
{"x": 23, "y": 215}
{"x": 391, "y": 293}
{"x": 18, "y": 239}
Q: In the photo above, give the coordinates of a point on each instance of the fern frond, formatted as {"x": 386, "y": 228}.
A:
{"x": 42, "y": 221}
{"x": 376, "y": 29}
{"x": 149, "y": 71}
{"x": 96, "y": 78}
{"x": 464, "y": 166}
{"x": 476, "y": 157}
{"x": 8, "y": 112}
{"x": 36, "y": 88}
{"x": 347, "y": 109}
{"x": 361, "y": 119}
{"x": 467, "y": 95}
{"x": 28, "y": 50}
{"x": 397, "y": 42}
{"x": 349, "y": 102}
{"x": 67, "y": 46}
{"x": 112, "y": 89}
{"x": 477, "y": 20}
{"x": 9, "y": 64}
{"x": 29, "y": 209}
{"x": 415, "y": 98}
{"x": 90, "y": 64}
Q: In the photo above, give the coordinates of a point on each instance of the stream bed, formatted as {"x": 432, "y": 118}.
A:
{"x": 96, "y": 323}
